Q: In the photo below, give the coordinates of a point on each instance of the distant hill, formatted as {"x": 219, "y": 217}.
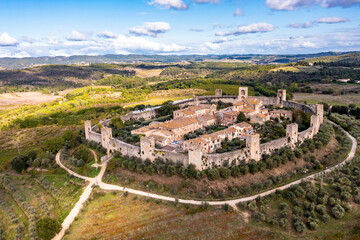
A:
{"x": 349, "y": 57}
{"x": 19, "y": 63}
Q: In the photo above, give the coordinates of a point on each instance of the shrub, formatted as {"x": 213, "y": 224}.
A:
{"x": 298, "y": 153}
{"x": 213, "y": 174}
{"x": 338, "y": 211}
{"x": 258, "y": 216}
{"x": 227, "y": 208}
{"x": 204, "y": 205}
{"x": 225, "y": 173}
{"x": 283, "y": 223}
{"x": 313, "y": 223}
{"x": 321, "y": 209}
{"x": 19, "y": 163}
{"x": 297, "y": 211}
{"x": 32, "y": 154}
{"x": 299, "y": 226}
{"x": 283, "y": 206}
{"x": 53, "y": 144}
{"x": 47, "y": 228}
{"x": 170, "y": 171}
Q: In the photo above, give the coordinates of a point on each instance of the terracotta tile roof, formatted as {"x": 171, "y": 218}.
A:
{"x": 239, "y": 103}
{"x": 206, "y": 117}
{"x": 230, "y": 130}
{"x": 248, "y": 110}
{"x": 179, "y": 123}
{"x": 243, "y": 125}
{"x": 187, "y": 111}
{"x": 231, "y": 113}
{"x": 253, "y": 100}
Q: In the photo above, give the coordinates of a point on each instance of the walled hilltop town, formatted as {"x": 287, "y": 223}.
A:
{"x": 166, "y": 139}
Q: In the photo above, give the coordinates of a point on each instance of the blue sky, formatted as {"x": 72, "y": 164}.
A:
{"x": 92, "y": 27}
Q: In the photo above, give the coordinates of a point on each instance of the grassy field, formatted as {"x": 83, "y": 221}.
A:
{"x": 114, "y": 216}
{"x": 117, "y": 217}
{"x": 313, "y": 98}
{"x": 28, "y": 139}
{"x": 285, "y": 69}
{"x": 25, "y": 197}
{"x": 159, "y": 97}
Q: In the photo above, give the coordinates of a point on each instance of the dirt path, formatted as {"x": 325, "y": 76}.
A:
{"x": 98, "y": 181}
{"x": 95, "y": 155}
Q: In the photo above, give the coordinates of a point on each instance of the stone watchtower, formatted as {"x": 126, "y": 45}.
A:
{"x": 196, "y": 101}
{"x": 243, "y": 93}
{"x": 253, "y": 145}
{"x": 87, "y": 125}
{"x": 292, "y": 134}
{"x": 195, "y": 156}
{"x": 147, "y": 148}
{"x": 218, "y": 92}
{"x": 106, "y": 135}
{"x": 281, "y": 97}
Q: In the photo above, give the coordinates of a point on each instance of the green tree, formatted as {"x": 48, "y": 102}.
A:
{"x": 47, "y": 228}
{"x": 241, "y": 118}
{"x": 32, "y": 154}
{"x": 19, "y": 163}
{"x": 53, "y": 144}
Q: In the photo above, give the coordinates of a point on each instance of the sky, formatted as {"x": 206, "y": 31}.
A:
{"x": 96, "y": 27}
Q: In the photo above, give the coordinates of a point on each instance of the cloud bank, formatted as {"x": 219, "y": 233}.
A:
{"x": 169, "y": 4}
{"x": 76, "y": 36}
{"x": 152, "y": 29}
{"x": 296, "y": 4}
{"x": 260, "y": 27}
{"x": 6, "y": 40}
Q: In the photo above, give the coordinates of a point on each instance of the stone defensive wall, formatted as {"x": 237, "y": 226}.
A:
{"x": 253, "y": 150}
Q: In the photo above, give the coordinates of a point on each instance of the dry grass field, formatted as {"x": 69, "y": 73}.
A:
{"x": 313, "y": 98}
{"x": 25, "y": 98}
{"x": 159, "y": 97}
{"x": 117, "y": 217}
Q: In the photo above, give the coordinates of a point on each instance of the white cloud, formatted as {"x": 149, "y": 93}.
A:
{"x": 296, "y": 4}
{"x": 221, "y": 40}
{"x": 16, "y": 54}
{"x": 76, "y": 36}
{"x": 332, "y": 20}
{"x": 107, "y": 34}
{"x": 196, "y": 30}
{"x": 260, "y": 27}
{"x": 170, "y": 4}
{"x": 339, "y": 3}
{"x": 207, "y": 1}
{"x": 6, "y": 40}
{"x": 218, "y": 25}
{"x": 212, "y": 46}
{"x": 152, "y": 29}
{"x": 288, "y": 4}
{"x": 238, "y": 12}
{"x": 301, "y": 25}
{"x": 139, "y": 43}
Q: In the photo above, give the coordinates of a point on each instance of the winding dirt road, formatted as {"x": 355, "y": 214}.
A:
{"x": 98, "y": 181}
